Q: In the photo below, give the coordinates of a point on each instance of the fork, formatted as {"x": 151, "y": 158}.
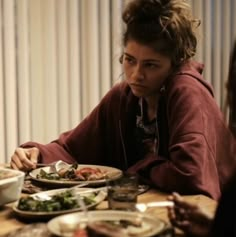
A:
{"x": 142, "y": 207}
{"x": 45, "y": 197}
{"x": 91, "y": 190}
{"x": 55, "y": 166}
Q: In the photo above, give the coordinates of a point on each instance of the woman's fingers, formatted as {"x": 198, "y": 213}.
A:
{"x": 181, "y": 211}
{"x": 181, "y": 203}
{"x": 25, "y": 159}
{"x": 17, "y": 159}
{"x": 13, "y": 165}
{"x": 33, "y": 154}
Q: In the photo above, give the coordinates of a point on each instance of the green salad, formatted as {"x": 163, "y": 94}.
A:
{"x": 59, "y": 202}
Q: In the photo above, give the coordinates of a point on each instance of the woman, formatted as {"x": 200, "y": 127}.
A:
{"x": 162, "y": 121}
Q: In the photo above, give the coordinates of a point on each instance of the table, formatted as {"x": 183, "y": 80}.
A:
{"x": 10, "y": 223}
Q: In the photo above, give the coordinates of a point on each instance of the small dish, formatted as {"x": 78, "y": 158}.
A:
{"x": 11, "y": 184}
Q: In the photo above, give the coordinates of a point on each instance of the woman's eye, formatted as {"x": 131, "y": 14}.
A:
{"x": 129, "y": 60}
{"x": 152, "y": 65}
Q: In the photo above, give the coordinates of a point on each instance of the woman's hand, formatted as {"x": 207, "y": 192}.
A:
{"x": 25, "y": 159}
{"x": 189, "y": 217}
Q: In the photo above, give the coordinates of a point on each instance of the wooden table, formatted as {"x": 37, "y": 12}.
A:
{"x": 9, "y": 222}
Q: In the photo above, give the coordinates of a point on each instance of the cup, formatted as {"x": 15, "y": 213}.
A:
{"x": 123, "y": 193}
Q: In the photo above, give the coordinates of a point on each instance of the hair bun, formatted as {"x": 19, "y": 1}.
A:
{"x": 145, "y": 11}
{"x": 168, "y": 26}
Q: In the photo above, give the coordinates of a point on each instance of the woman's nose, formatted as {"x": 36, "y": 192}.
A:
{"x": 138, "y": 73}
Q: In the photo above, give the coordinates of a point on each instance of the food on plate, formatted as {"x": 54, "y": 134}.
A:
{"x": 101, "y": 222}
{"x": 29, "y": 230}
{"x": 124, "y": 228}
{"x": 30, "y": 188}
{"x": 68, "y": 226}
{"x": 58, "y": 202}
{"x": 81, "y": 233}
{"x": 104, "y": 229}
{"x": 74, "y": 172}
{"x": 88, "y": 173}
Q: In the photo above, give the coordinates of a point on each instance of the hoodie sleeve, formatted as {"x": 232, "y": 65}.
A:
{"x": 77, "y": 145}
{"x": 86, "y": 143}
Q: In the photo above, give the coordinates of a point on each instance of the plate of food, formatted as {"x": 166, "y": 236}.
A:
{"x": 70, "y": 175}
{"x": 48, "y": 204}
{"x": 117, "y": 223}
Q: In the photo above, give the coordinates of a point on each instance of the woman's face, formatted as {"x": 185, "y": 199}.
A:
{"x": 145, "y": 69}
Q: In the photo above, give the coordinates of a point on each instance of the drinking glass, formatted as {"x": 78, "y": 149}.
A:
{"x": 123, "y": 193}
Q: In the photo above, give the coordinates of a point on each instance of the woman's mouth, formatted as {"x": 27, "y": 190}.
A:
{"x": 138, "y": 89}
{"x": 138, "y": 86}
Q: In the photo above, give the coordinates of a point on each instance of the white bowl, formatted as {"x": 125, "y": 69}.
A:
{"x": 10, "y": 187}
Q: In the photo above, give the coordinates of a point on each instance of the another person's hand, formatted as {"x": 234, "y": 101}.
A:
{"x": 190, "y": 218}
{"x": 25, "y": 159}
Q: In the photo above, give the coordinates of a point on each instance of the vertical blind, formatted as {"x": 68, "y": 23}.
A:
{"x": 59, "y": 57}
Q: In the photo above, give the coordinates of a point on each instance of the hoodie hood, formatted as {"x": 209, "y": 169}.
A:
{"x": 195, "y": 70}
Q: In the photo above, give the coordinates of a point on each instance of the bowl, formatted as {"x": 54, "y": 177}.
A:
{"x": 11, "y": 184}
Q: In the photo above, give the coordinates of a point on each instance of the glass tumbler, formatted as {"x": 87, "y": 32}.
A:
{"x": 123, "y": 193}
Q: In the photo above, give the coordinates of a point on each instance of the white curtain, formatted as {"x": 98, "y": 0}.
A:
{"x": 59, "y": 57}
{"x": 216, "y": 37}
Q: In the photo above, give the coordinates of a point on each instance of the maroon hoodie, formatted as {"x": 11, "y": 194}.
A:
{"x": 196, "y": 149}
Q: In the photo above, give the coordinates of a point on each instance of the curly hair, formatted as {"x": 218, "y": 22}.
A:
{"x": 167, "y": 26}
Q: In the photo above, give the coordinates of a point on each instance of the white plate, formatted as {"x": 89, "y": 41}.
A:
{"x": 100, "y": 196}
{"x": 65, "y": 225}
{"x": 112, "y": 173}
